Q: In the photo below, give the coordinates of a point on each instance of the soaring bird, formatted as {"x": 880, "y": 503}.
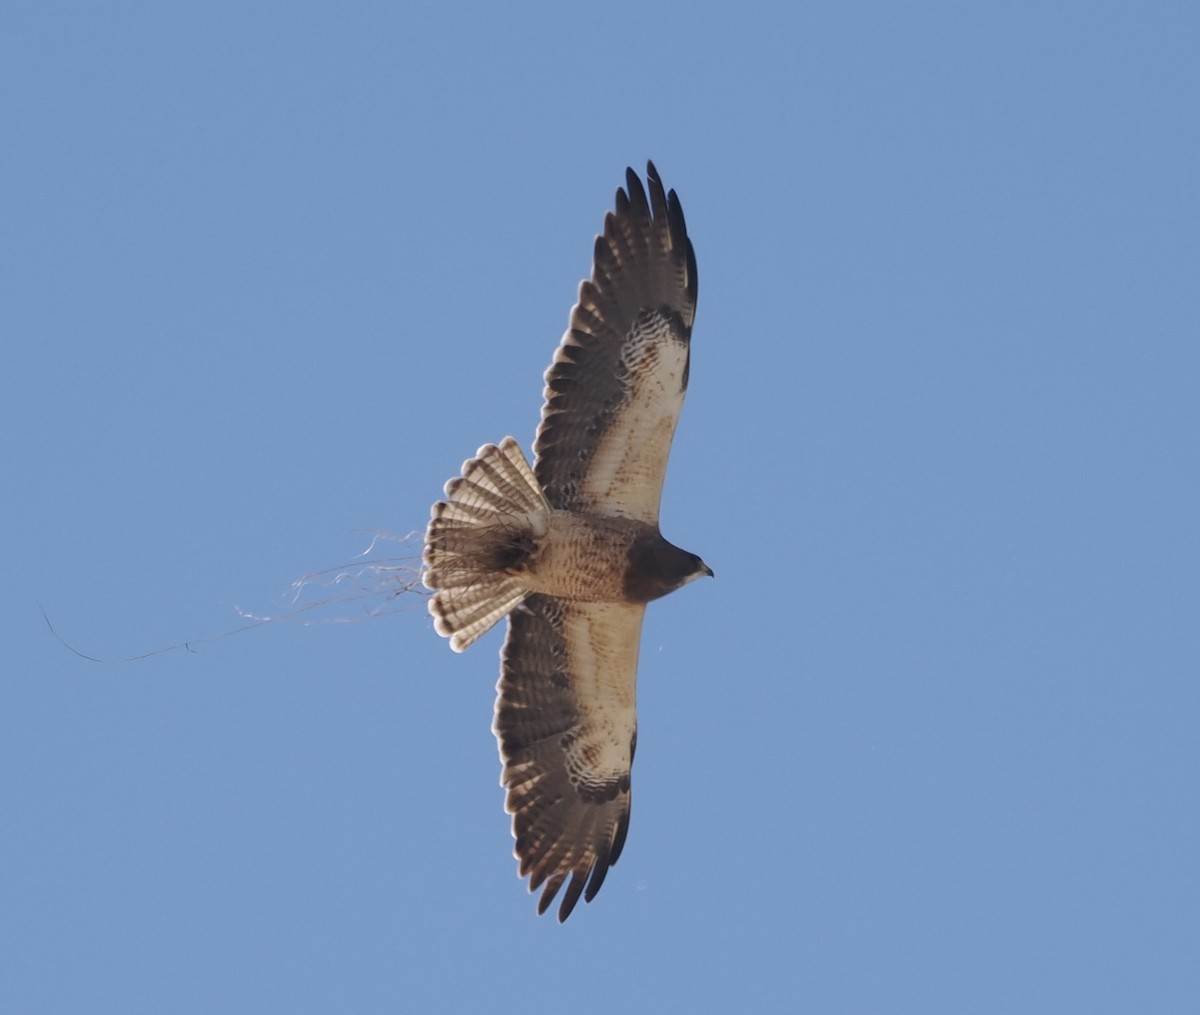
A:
{"x": 570, "y": 549}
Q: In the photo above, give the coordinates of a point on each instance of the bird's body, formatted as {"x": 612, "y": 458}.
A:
{"x": 570, "y": 550}
{"x": 574, "y": 560}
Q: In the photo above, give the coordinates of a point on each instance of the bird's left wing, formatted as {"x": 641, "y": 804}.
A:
{"x": 567, "y": 727}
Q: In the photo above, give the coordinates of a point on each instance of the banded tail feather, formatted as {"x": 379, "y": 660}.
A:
{"x": 479, "y": 539}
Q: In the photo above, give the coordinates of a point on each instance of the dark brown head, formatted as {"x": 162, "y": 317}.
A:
{"x": 657, "y": 567}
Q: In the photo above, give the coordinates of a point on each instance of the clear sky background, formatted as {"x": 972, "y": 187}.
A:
{"x": 928, "y": 743}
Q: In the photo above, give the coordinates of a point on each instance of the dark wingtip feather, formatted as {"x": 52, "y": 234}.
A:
{"x": 676, "y": 223}
{"x": 680, "y": 239}
{"x": 574, "y": 890}
{"x": 614, "y": 854}
{"x": 693, "y": 286}
{"x": 637, "y": 193}
{"x": 675, "y": 214}
{"x": 599, "y": 873}
{"x": 551, "y": 890}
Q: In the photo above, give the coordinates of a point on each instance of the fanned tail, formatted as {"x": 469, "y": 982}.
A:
{"x": 479, "y": 541}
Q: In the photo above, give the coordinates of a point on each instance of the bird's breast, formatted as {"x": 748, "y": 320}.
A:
{"x": 584, "y": 557}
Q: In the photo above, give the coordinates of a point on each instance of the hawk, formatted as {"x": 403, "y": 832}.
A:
{"x": 570, "y": 549}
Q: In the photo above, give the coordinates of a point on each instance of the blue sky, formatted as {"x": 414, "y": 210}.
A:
{"x": 270, "y": 272}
